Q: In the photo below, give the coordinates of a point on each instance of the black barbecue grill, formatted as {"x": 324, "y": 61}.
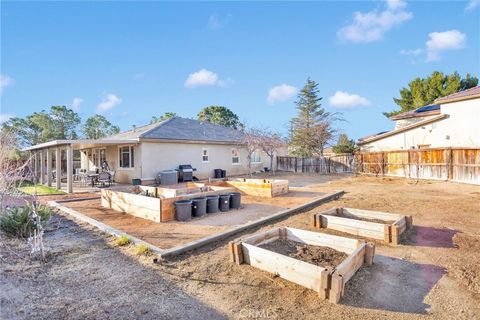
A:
{"x": 185, "y": 173}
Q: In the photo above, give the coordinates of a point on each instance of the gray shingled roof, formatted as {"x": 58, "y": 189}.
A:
{"x": 178, "y": 128}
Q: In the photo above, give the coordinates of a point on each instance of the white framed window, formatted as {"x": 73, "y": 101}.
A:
{"x": 256, "y": 157}
{"x": 235, "y": 156}
{"x": 126, "y": 157}
{"x": 205, "y": 155}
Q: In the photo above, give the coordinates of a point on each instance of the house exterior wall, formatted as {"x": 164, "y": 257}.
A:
{"x": 158, "y": 156}
{"x": 460, "y": 129}
{"x": 125, "y": 175}
{"x": 122, "y": 175}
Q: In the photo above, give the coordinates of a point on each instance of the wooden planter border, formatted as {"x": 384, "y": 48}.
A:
{"x": 388, "y": 232}
{"x": 267, "y": 188}
{"x": 329, "y": 283}
{"x": 160, "y": 206}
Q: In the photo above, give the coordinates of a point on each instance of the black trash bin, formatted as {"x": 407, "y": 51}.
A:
{"x": 224, "y": 203}
{"x": 217, "y": 173}
{"x": 224, "y": 173}
{"x": 212, "y": 204}
{"x": 183, "y": 209}
{"x": 235, "y": 200}
{"x": 199, "y": 207}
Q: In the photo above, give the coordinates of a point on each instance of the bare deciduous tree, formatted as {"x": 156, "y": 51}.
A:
{"x": 13, "y": 170}
{"x": 270, "y": 143}
{"x": 250, "y": 142}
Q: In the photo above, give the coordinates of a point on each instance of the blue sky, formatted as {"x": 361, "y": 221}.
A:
{"x": 130, "y": 61}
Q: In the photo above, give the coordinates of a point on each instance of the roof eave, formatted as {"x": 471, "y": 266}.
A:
{"x": 394, "y": 132}
{"x": 445, "y": 101}
{"x": 417, "y": 115}
{"x": 161, "y": 140}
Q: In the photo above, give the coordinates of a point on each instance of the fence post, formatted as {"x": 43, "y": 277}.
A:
{"x": 450, "y": 164}
{"x": 383, "y": 163}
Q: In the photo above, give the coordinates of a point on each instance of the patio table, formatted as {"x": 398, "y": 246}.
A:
{"x": 93, "y": 177}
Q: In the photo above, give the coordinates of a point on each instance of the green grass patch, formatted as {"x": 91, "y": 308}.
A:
{"x": 123, "y": 240}
{"x": 42, "y": 190}
{"x": 142, "y": 249}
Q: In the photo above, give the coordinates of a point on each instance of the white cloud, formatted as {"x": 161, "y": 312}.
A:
{"x": 443, "y": 41}
{"x": 347, "y": 100}
{"x": 139, "y": 76}
{"x": 5, "y": 81}
{"x": 216, "y": 22}
{"x": 4, "y": 117}
{"x": 76, "y": 103}
{"x": 281, "y": 93}
{"x": 414, "y": 52}
{"x": 372, "y": 26}
{"x": 109, "y": 101}
{"x": 206, "y": 77}
{"x": 472, "y": 4}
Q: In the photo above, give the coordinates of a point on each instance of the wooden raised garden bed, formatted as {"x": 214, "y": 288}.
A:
{"x": 157, "y": 203}
{"x": 328, "y": 281}
{"x": 369, "y": 224}
{"x": 257, "y": 187}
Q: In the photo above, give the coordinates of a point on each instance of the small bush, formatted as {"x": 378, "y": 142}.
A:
{"x": 142, "y": 249}
{"x": 123, "y": 240}
{"x": 17, "y": 221}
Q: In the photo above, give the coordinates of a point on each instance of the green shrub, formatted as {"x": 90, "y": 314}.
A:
{"x": 17, "y": 221}
{"x": 123, "y": 240}
{"x": 142, "y": 249}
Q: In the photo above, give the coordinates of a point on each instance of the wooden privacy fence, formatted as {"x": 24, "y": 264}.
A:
{"x": 456, "y": 164}
{"x": 334, "y": 164}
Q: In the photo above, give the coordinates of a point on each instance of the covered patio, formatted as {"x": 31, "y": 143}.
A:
{"x": 53, "y": 161}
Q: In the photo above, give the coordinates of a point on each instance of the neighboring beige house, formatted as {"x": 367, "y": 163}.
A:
{"x": 452, "y": 121}
{"x": 143, "y": 152}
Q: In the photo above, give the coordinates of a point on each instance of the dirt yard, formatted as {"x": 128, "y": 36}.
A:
{"x": 434, "y": 274}
{"x": 170, "y": 234}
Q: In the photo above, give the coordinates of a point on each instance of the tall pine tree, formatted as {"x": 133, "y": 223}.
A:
{"x": 312, "y": 128}
{"x": 424, "y": 91}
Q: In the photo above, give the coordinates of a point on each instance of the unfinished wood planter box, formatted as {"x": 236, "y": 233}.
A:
{"x": 257, "y": 187}
{"x": 347, "y": 220}
{"x": 328, "y": 282}
{"x": 159, "y": 205}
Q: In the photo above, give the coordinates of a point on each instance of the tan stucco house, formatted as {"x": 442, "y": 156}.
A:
{"x": 141, "y": 153}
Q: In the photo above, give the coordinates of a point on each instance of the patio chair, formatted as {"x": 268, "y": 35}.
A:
{"x": 112, "y": 174}
{"x": 104, "y": 177}
{"x": 78, "y": 174}
{"x": 83, "y": 178}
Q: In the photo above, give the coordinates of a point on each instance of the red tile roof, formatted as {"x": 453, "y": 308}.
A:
{"x": 462, "y": 95}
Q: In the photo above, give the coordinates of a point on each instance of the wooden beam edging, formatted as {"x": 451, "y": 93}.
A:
{"x": 103, "y": 227}
{"x": 167, "y": 253}
{"x": 75, "y": 199}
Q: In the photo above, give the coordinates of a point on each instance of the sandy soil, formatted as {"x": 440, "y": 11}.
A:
{"x": 434, "y": 274}
{"x": 174, "y": 233}
{"x": 317, "y": 255}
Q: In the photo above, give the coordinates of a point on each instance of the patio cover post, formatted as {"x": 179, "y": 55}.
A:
{"x": 35, "y": 165}
{"x": 49, "y": 167}
{"x": 42, "y": 167}
{"x": 69, "y": 168}
{"x": 58, "y": 168}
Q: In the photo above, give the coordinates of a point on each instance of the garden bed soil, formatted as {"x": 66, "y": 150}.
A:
{"x": 348, "y": 216}
{"x": 317, "y": 255}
